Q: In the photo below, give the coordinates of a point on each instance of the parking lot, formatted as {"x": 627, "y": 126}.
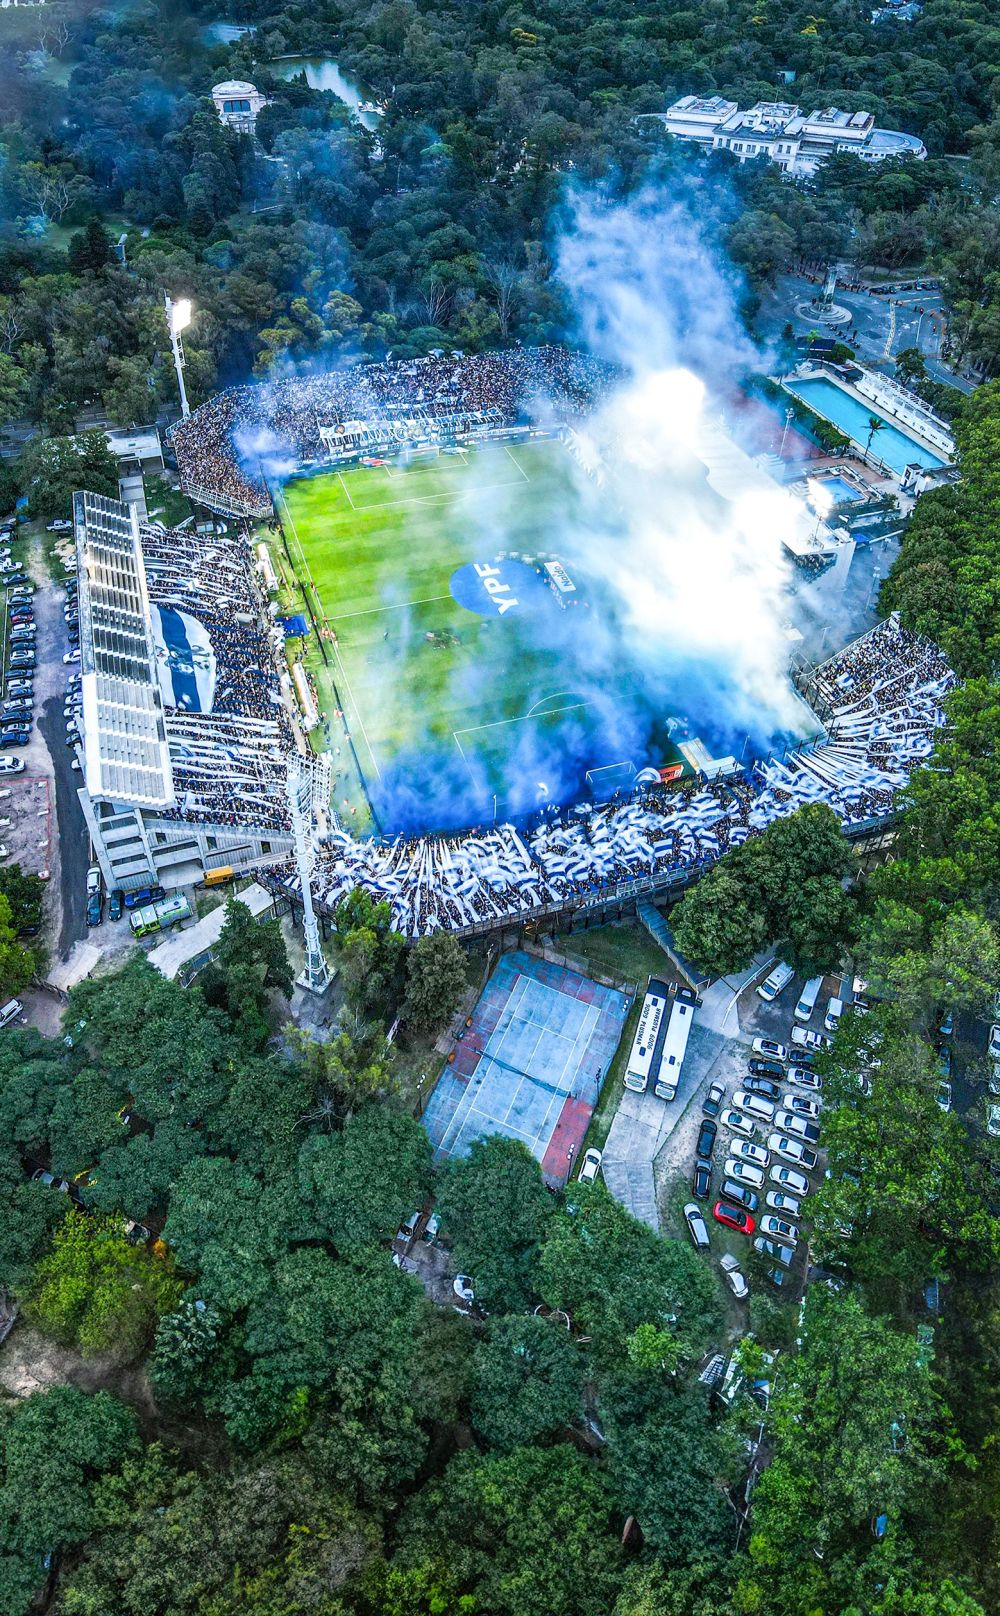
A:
{"x": 739, "y": 1015}
{"x": 46, "y": 833}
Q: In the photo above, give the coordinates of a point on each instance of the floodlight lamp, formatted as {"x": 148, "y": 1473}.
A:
{"x": 180, "y": 315}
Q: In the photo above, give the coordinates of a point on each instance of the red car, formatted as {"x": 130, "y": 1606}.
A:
{"x": 733, "y": 1217}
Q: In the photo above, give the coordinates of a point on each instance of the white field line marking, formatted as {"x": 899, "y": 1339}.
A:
{"x": 520, "y": 468}
{"x": 347, "y": 491}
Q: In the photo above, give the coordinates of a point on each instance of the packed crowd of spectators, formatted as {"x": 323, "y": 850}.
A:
{"x": 886, "y": 693}
{"x": 229, "y": 762}
{"x": 224, "y": 448}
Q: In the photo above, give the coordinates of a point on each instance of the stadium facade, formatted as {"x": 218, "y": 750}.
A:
{"x": 185, "y": 728}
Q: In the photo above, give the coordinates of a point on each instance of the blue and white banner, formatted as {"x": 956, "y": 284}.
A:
{"x": 185, "y": 661}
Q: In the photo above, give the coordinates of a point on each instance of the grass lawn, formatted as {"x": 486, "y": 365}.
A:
{"x": 623, "y": 950}
{"x": 459, "y": 683}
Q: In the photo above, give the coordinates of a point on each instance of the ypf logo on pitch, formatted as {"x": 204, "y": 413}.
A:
{"x": 493, "y": 583}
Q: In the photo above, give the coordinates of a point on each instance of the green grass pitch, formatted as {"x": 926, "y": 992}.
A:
{"x": 431, "y": 688}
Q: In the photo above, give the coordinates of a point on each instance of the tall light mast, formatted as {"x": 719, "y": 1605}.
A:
{"x": 308, "y": 800}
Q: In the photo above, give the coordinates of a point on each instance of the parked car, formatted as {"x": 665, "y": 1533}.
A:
{"x": 735, "y": 1278}
{"x": 738, "y": 1123}
{"x": 769, "y": 1049}
{"x": 71, "y": 656}
{"x": 13, "y": 740}
{"x": 95, "y": 908}
{"x": 782, "y": 1202}
{"x": 431, "y": 1228}
{"x": 803, "y": 1104}
{"x": 745, "y": 1172}
{"x": 706, "y": 1137}
{"x": 806, "y": 1038}
{"x": 770, "y": 1224}
{"x": 734, "y": 1217}
{"x": 763, "y": 1085}
{"x": 993, "y": 1121}
{"x": 697, "y": 1228}
{"x": 792, "y": 1150}
{"x": 701, "y": 1178}
{"x": 14, "y": 711}
{"x": 713, "y": 1100}
{"x": 777, "y": 1277}
{"x": 943, "y": 1096}
{"x": 145, "y": 895}
{"x": 740, "y": 1194}
{"x": 755, "y": 1105}
{"x": 115, "y": 906}
{"x": 40, "y": 1176}
{"x": 946, "y": 1026}
{"x": 749, "y": 1152}
{"x": 790, "y": 1178}
{"x": 771, "y": 1248}
{"x": 790, "y": 1123}
{"x": 766, "y": 1068}
{"x": 591, "y": 1164}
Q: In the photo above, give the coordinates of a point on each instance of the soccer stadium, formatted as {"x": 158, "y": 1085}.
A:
{"x": 487, "y": 675}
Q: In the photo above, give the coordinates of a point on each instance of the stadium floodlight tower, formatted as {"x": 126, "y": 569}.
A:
{"x": 178, "y": 320}
{"x": 308, "y": 800}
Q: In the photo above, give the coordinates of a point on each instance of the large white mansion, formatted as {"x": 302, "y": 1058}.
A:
{"x": 797, "y": 141}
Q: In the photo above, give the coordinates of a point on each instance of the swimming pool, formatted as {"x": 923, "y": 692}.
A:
{"x": 892, "y": 446}
{"x": 840, "y": 490}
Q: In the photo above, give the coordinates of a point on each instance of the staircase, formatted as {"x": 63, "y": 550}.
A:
{"x": 655, "y": 924}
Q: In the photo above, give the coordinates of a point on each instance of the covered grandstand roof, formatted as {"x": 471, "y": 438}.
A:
{"x": 126, "y": 753}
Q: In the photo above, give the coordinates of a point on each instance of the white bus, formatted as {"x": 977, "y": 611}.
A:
{"x": 667, "y": 1071}
{"x": 648, "y": 1035}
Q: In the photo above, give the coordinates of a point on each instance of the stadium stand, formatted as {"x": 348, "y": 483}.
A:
{"x": 885, "y": 694}
{"x": 224, "y": 448}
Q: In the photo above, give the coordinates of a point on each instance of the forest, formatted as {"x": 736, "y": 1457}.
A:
{"x": 324, "y": 240}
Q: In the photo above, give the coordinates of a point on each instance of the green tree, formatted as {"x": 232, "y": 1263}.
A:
{"x": 371, "y": 954}
{"x": 655, "y": 1429}
{"x": 97, "y": 1291}
{"x": 49, "y": 470}
{"x": 529, "y": 1533}
{"x": 17, "y": 964}
{"x": 186, "y": 1339}
{"x": 362, "y": 1182}
{"x": 852, "y": 1423}
{"x": 526, "y": 1381}
{"x": 495, "y": 1207}
{"x": 54, "y": 1448}
{"x": 249, "y": 962}
{"x": 612, "y": 1274}
{"x": 436, "y": 980}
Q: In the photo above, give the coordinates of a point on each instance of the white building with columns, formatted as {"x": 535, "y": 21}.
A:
{"x": 798, "y": 142}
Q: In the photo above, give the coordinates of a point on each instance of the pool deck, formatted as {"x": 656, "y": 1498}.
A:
{"x": 876, "y": 406}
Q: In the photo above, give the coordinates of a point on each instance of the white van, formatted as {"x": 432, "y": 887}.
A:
{"x": 10, "y": 1012}
{"x": 772, "y": 985}
{"x": 834, "y": 1011}
{"x": 807, "y": 1003}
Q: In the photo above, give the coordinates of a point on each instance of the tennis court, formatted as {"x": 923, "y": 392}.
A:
{"x": 531, "y": 1064}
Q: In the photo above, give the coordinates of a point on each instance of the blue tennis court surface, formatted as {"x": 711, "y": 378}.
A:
{"x": 531, "y": 1064}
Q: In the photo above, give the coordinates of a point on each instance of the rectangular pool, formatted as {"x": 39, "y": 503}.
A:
{"x": 897, "y": 449}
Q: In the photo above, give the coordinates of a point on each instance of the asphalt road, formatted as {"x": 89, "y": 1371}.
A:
{"x": 882, "y": 326}
{"x": 70, "y": 868}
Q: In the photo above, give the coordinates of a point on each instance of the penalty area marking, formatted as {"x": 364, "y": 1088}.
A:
{"x": 499, "y": 723}
{"x": 347, "y": 491}
{"x": 430, "y": 499}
